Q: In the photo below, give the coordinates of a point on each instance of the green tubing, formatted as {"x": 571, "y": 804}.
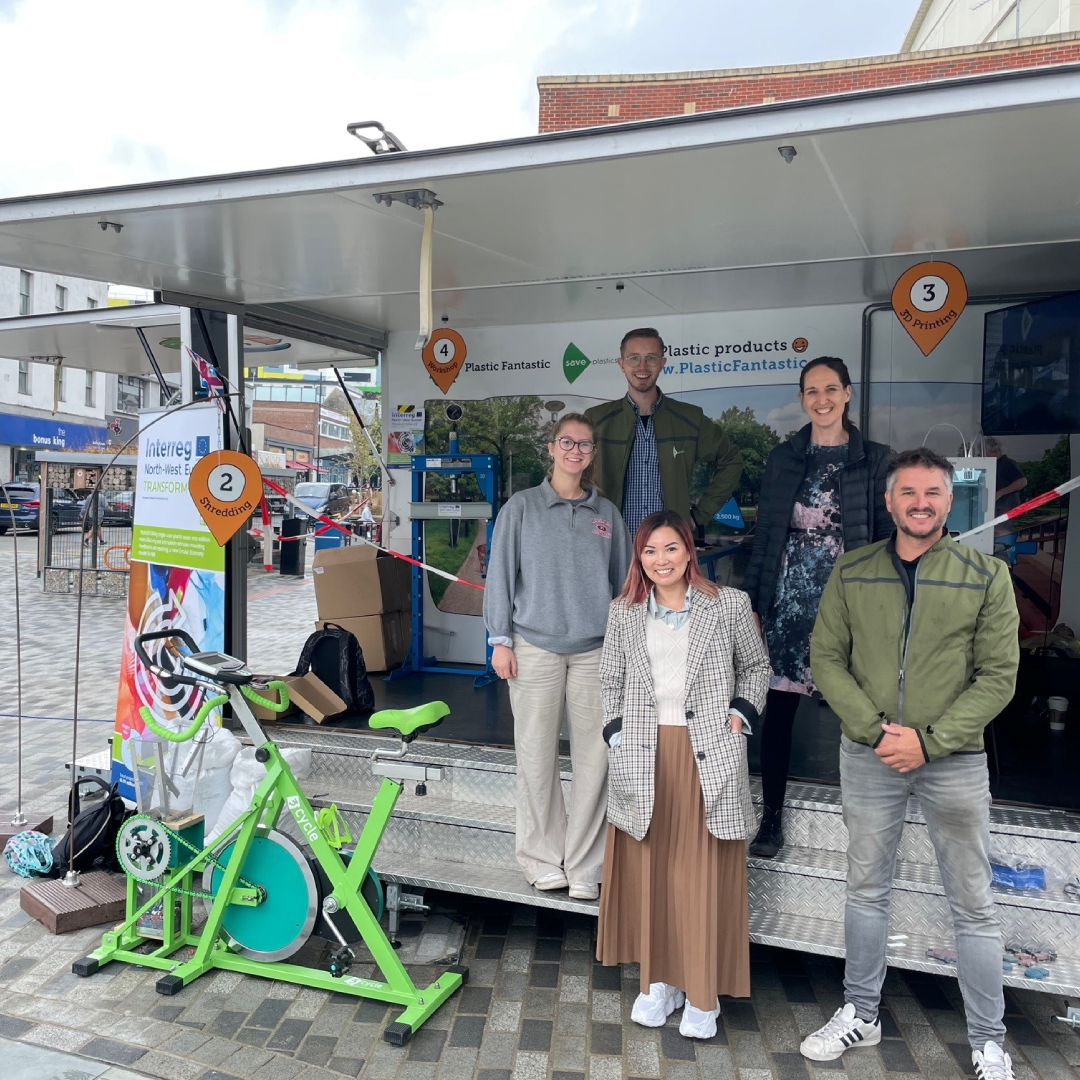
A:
{"x": 266, "y": 703}
{"x": 168, "y": 735}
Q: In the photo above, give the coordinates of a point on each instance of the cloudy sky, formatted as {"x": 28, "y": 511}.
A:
{"x": 134, "y": 91}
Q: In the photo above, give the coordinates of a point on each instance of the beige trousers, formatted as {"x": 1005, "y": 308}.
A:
{"x": 549, "y": 838}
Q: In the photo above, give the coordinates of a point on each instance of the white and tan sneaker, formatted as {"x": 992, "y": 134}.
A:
{"x": 842, "y": 1032}
{"x": 992, "y": 1063}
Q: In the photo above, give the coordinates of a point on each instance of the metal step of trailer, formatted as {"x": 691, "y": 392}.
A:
{"x": 800, "y": 933}
{"x": 800, "y": 881}
{"x": 460, "y": 838}
{"x": 482, "y": 776}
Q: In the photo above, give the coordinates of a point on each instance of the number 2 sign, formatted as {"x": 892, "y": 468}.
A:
{"x": 928, "y": 299}
{"x": 226, "y": 487}
{"x": 444, "y": 355}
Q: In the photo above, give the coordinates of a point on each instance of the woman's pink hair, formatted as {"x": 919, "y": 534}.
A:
{"x": 636, "y": 588}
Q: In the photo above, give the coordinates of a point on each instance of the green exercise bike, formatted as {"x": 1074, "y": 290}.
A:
{"x": 264, "y": 895}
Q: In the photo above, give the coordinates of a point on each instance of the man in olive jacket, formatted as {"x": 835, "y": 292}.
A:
{"x": 915, "y": 648}
{"x": 648, "y": 444}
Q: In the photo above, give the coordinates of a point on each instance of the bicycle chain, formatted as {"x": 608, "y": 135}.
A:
{"x": 210, "y": 859}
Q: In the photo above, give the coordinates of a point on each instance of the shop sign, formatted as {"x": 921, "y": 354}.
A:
{"x": 44, "y": 434}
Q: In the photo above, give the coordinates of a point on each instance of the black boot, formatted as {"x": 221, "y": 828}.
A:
{"x": 770, "y": 837}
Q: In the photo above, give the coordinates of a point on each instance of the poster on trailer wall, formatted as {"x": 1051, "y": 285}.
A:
{"x": 177, "y": 578}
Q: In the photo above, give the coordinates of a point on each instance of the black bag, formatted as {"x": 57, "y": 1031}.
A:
{"x": 90, "y": 842}
{"x": 333, "y": 655}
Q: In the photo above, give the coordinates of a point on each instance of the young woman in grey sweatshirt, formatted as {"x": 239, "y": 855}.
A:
{"x": 559, "y": 554}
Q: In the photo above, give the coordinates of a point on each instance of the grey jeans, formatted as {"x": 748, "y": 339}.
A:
{"x": 954, "y": 793}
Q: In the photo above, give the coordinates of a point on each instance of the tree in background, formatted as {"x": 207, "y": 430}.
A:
{"x": 754, "y": 440}
{"x": 1051, "y": 469}
{"x": 515, "y": 428}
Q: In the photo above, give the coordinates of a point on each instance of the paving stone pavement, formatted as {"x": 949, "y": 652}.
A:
{"x": 536, "y": 1005}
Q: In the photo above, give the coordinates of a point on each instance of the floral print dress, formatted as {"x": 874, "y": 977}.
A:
{"x": 815, "y": 541}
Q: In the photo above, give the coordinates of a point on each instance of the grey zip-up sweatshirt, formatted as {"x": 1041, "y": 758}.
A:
{"x": 554, "y": 568}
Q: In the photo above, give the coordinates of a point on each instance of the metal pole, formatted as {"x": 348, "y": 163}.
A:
{"x": 20, "y": 818}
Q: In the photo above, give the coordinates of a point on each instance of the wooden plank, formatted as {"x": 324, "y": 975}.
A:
{"x": 99, "y": 898}
{"x": 41, "y": 825}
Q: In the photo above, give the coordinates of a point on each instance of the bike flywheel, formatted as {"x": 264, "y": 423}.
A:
{"x": 279, "y": 926}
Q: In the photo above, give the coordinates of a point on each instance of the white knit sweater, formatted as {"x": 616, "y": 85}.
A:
{"x": 667, "y": 660}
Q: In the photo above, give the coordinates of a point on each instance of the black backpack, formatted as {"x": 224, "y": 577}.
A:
{"x": 333, "y": 655}
{"x": 90, "y": 842}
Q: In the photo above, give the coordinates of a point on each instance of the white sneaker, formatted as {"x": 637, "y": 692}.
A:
{"x": 698, "y": 1024}
{"x": 548, "y": 882}
{"x": 653, "y": 1008}
{"x": 584, "y": 890}
{"x": 993, "y": 1063}
{"x": 843, "y": 1030}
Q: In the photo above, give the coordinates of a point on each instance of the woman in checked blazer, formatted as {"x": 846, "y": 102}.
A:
{"x": 683, "y": 673}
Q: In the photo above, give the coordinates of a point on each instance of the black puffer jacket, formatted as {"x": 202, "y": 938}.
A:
{"x": 862, "y": 506}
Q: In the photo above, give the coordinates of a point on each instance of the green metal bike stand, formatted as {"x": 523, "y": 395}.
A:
{"x": 261, "y": 891}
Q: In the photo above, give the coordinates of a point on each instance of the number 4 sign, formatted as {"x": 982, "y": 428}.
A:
{"x": 443, "y": 356}
{"x": 928, "y": 300}
{"x": 226, "y": 487}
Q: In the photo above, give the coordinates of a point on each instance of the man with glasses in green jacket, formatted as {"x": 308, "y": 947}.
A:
{"x": 649, "y": 444}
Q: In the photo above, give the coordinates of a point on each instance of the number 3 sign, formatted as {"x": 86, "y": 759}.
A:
{"x": 226, "y": 487}
{"x": 928, "y": 300}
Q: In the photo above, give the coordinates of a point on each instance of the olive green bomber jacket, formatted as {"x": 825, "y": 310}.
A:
{"x": 684, "y": 436}
{"x": 938, "y": 653}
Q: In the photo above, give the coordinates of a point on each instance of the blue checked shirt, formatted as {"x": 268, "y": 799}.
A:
{"x": 642, "y": 494}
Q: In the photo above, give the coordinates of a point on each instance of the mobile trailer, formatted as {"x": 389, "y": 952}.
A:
{"x": 697, "y": 225}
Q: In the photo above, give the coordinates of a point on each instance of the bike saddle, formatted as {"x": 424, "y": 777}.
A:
{"x": 410, "y": 722}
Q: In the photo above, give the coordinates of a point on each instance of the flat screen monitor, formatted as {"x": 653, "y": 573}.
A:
{"x": 1031, "y": 368}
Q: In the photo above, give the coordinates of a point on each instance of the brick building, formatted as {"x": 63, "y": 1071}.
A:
{"x": 289, "y": 427}
{"x": 576, "y": 101}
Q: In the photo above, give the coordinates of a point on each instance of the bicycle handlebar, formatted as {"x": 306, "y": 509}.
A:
{"x": 174, "y": 672}
{"x": 162, "y": 732}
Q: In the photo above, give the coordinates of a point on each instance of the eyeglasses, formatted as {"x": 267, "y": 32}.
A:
{"x": 564, "y": 442}
{"x": 634, "y": 360}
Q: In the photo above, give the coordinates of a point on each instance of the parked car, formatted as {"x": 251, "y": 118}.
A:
{"x": 330, "y": 500}
{"x": 119, "y": 508}
{"x": 22, "y": 500}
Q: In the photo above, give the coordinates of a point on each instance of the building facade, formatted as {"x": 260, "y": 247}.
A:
{"x": 315, "y": 440}
{"x": 945, "y": 24}
{"x": 576, "y": 101}
{"x": 45, "y": 406}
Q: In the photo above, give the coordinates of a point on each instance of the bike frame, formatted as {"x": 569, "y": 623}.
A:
{"x": 279, "y": 792}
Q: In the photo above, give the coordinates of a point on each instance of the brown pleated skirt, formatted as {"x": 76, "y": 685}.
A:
{"x": 676, "y": 902}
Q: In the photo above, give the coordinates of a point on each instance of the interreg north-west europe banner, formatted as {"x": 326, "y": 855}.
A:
{"x": 177, "y": 578}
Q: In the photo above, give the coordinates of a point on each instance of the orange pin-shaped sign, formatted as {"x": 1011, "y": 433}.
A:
{"x": 226, "y": 487}
{"x": 928, "y": 300}
{"x": 444, "y": 355}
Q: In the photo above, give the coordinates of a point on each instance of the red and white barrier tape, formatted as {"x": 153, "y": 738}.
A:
{"x": 329, "y": 523}
{"x": 1023, "y": 508}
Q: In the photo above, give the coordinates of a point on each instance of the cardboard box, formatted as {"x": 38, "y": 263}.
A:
{"x": 268, "y": 715}
{"x": 384, "y": 639}
{"x": 310, "y": 694}
{"x": 359, "y": 580}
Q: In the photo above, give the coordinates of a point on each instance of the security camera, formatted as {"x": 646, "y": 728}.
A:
{"x": 619, "y": 286}
{"x": 454, "y": 413}
{"x": 788, "y": 153}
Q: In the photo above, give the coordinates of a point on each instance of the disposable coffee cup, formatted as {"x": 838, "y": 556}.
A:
{"x": 1059, "y": 706}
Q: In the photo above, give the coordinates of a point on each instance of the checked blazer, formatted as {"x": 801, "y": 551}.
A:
{"x": 726, "y": 663}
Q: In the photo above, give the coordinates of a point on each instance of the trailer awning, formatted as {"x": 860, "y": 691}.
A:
{"x": 106, "y": 339}
{"x": 695, "y": 213}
